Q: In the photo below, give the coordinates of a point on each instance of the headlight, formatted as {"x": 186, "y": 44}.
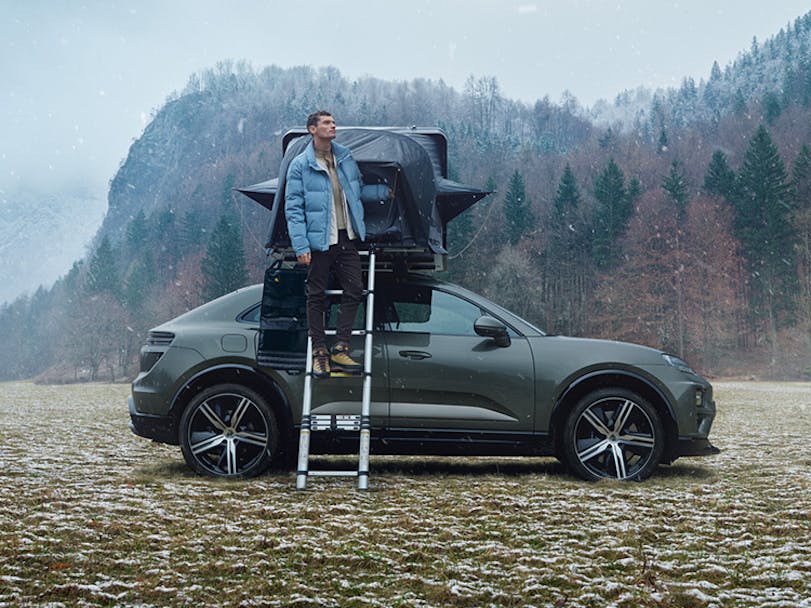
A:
{"x": 678, "y": 363}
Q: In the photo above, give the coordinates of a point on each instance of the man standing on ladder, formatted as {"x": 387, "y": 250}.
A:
{"x": 324, "y": 214}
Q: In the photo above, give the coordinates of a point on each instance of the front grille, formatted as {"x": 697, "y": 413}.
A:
{"x": 160, "y": 338}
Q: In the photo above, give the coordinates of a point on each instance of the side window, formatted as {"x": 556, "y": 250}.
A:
{"x": 251, "y": 315}
{"x": 422, "y": 309}
{"x": 331, "y": 320}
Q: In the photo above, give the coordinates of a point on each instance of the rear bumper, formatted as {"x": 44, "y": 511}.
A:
{"x": 162, "y": 429}
{"x": 695, "y": 447}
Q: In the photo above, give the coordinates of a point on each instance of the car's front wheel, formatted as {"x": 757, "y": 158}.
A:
{"x": 613, "y": 433}
{"x": 229, "y": 430}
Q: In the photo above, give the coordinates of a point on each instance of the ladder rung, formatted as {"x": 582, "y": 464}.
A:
{"x": 332, "y": 473}
{"x": 355, "y": 332}
{"x": 337, "y": 374}
{"x": 335, "y": 422}
{"x": 340, "y": 292}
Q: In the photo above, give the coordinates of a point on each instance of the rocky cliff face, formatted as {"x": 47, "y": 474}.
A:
{"x": 161, "y": 164}
{"x": 195, "y": 150}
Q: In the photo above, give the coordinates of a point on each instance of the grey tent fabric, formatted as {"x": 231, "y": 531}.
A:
{"x": 452, "y": 198}
{"x": 412, "y": 163}
{"x": 263, "y": 193}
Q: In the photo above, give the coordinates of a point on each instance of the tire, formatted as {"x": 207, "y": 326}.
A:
{"x": 613, "y": 433}
{"x": 229, "y": 430}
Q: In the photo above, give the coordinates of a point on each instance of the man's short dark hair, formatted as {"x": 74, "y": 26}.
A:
{"x": 312, "y": 119}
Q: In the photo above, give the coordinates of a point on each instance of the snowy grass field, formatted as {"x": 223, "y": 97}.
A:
{"x": 91, "y": 515}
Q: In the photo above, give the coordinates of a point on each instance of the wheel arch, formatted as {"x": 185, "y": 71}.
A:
{"x": 236, "y": 374}
{"x": 635, "y": 382}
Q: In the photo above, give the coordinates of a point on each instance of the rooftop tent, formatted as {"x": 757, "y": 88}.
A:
{"x": 411, "y": 162}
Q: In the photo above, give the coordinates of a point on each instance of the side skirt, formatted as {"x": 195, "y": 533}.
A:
{"x": 419, "y": 442}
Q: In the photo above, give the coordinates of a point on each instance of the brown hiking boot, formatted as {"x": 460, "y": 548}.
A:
{"x": 341, "y": 361}
{"x": 321, "y": 367}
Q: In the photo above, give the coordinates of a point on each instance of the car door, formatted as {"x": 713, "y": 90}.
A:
{"x": 442, "y": 374}
{"x": 344, "y": 394}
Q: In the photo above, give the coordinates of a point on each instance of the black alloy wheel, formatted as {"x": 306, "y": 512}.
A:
{"x": 229, "y": 430}
{"x": 613, "y": 433}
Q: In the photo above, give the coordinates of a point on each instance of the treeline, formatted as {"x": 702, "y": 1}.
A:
{"x": 690, "y": 235}
{"x": 774, "y": 75}
{"x": 712, "y": 265}
{"x": 92, "y": 323}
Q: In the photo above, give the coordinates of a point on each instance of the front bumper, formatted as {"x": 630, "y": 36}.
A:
{"x": 162, "y": 429}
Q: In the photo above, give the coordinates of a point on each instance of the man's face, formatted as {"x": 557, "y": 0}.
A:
{"x": 325, "y": 129}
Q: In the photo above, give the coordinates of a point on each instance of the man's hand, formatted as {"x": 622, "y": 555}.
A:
{"x": 304, "y": 258}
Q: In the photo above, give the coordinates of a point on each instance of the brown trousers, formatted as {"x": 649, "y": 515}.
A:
{"x": 343, "y": 258}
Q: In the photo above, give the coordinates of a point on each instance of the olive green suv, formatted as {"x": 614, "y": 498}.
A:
{"x": 452, "y": 374}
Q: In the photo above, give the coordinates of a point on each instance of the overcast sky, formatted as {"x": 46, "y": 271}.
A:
{"x": 80, "y": 79}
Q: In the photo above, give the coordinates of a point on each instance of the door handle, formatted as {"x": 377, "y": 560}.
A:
{"x": 416, "y": 355}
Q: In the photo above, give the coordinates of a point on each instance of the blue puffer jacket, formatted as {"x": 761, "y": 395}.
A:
{"x": 308, "y": 198}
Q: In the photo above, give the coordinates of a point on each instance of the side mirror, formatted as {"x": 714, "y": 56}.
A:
{"x": 489, "y": 327}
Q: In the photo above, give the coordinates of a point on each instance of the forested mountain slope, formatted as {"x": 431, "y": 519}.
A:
{"x": 685, "y": 225}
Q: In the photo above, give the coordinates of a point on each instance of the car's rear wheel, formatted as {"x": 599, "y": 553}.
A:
{"x": 229, "y": 430}
{"x": 613, "y": 433}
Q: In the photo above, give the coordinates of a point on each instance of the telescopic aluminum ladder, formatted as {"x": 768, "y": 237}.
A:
{"x": 311, "y": 423}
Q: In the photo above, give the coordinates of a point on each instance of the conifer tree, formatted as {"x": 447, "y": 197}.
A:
{"x": 720, "y": 178}
{"x": 763, "y": 225}
{"x": 607, "y": 139}
{"x": 489, "y": 186}
{"x": 72, "y": 281}
{"x": 739, "y": 102}
{"x": 228, "y": 190}
{"x": 568, "y": 268}
{"x": 801, "y": 178}
{"x": 567, "y": 197}
{"x": 611, "y": 214}
{"x": 675, "y": 184}
{"x": 663, "y": 141}
{"x": 165, "y": 233}
{"x": 141, "y": 277}
{"x": 633, "y": 192}
{"x": 517, "y": 212}
{"x": 771, "y": 107}
{"x": 102, "y": 271}
{"x": 763, "y": 207}
{"x": 801, "y": 181}
{"x": 223, "y": 267}
{"x": 567, "y": 232}
{"x": 192, "y": 231}
{"x": 715, "y": 72}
